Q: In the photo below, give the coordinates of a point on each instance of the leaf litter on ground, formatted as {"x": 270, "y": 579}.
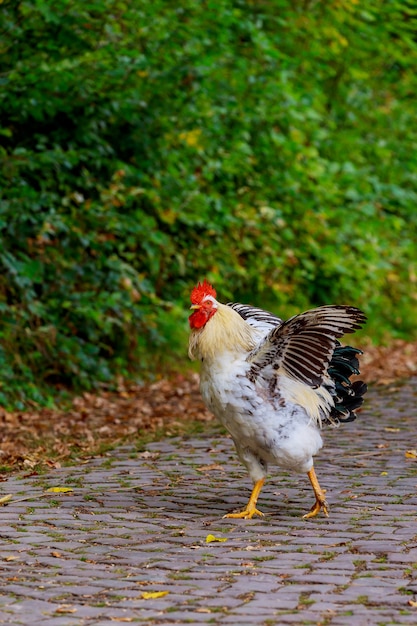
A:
{"x": 45, "y": 438}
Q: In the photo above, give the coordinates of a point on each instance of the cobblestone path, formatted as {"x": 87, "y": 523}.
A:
{"x": 136, "y": 524}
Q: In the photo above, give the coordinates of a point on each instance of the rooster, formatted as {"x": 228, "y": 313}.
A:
{"x": 273, "y": 384}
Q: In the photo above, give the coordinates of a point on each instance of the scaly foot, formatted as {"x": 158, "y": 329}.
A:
{"x": 248, "y": 513}
{"x": 320, "y": 503}
{"x": 317, "y": 507}
{"x": 251, "y": 509}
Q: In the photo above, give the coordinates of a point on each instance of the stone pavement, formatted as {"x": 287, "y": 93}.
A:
{"x": 136, "y": 523}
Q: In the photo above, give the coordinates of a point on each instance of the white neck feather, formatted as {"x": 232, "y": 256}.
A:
{"x": 226, "y": 331}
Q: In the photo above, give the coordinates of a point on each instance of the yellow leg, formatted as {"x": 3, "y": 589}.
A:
{"x": 251, "y": 509}
{"x": 320, "y": 502}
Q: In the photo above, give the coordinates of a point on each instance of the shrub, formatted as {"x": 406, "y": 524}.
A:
{"x": 269, "y": 146}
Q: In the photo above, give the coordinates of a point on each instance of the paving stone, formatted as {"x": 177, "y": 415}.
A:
{"x": 97, "y": 549}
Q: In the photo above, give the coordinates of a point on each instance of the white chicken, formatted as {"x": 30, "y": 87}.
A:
{"x": 273, "y": 384}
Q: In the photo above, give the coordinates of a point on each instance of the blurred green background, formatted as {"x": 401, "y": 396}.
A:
{"x": 268, "y": 145}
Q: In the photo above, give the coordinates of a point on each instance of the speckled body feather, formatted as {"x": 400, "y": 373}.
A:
{"x": 268, "y": 382}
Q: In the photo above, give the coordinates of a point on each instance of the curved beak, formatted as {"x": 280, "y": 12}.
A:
{"x": 195, "y": 306}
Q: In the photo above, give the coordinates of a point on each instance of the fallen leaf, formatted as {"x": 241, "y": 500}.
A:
{"x": 57, "y": 555}
{"x": 388, "y": 429}
{"x": 65, "y": 608}
{"x": 54, "y": 464}
{"x": 59, "y": 489}
{"x": 211, "y": 538}
{"x": 384, "y": 474}
{"x": 210, "y": 468}
{"x": 412, "y": 603}
{"x": 6, "y": 499}
{"x": 203, "y": 610}
{"x": 411, "y": 454}
{"x": 121, "y": 619}
{"x": 11, "y": 558}
{"x": 148, "y": 455}
{"x": 150, "y": 595}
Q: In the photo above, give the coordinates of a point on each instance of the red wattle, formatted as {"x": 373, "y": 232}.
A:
{"x": 198, "y": 319}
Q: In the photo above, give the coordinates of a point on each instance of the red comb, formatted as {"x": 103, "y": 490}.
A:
{"x": 203, "y": 289}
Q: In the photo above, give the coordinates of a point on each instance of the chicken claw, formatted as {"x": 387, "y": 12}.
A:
{"x": 251, "y": 509}
{"x": 316, "y": 508}
{"x": 248, "y": 513}
{"x": 320, "y": 503}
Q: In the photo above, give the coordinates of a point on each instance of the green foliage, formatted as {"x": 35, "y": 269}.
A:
{"x": 269, "y": 146}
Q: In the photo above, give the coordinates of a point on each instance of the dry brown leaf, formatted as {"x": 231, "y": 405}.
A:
{"x": 386, "y": 364}
{"x": 53, "y": 464}
{"x": 210, "y": 468}
{"x": 65, "y": 608}
{"x": 411, "y": 454}
{"x": 148, "y": 455}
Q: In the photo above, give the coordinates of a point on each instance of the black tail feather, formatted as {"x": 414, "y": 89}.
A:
{"x": 348, "y": 395}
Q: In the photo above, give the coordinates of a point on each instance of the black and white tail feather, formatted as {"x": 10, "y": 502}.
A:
{"x": 306, "y": 348}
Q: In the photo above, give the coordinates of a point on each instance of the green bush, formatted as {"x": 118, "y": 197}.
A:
{"x": 269, "y": 146}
